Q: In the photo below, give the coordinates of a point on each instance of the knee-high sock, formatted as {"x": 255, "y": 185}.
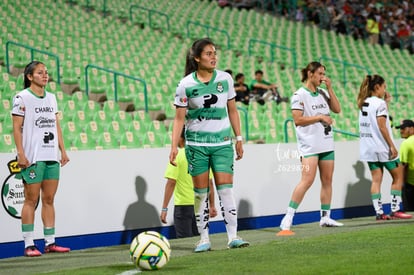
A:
{"x": 228, "y": 209}
{"x": 201, "y": 211}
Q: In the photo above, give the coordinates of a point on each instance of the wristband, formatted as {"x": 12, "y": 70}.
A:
{"x": 164, "y": 209}
{"x": 239, "y": 138}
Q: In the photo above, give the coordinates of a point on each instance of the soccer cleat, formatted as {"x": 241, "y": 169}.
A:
{"x": 55, "y": 248}
{"x": 237, "y": 243}
{"x": 286, "y": 222}
{"x": 382, "y": 217}
{"x": 32, "y": 251}
{"x": 328, "y": 222}
{"x": 203, "y": 246}
{"x": 400, "y": 215}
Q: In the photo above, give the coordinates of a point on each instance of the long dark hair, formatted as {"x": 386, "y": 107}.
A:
{"x": 28, "y": 70}
{"x": 367, "y": 87}
{"x": 195, "y": 51}
{"x": 312, "y": 67}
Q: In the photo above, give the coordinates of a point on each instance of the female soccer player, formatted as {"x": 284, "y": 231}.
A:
{"x": 38, "y": 138}
{"x": 311, "y": 106}
{"x": 377, "y": 145}
{"x": 206, "y": 97}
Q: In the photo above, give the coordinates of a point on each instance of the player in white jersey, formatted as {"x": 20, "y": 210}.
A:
{"x": 38, "y": 139}
{"x": 377, "y": 145}
{"x": 206, "y": 97}
{"x": 311, "y": 106}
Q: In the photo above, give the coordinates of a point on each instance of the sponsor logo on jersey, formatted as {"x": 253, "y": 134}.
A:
{"x": 44, "y": 110}
{"x": 44, "y": 122}
{"x": 219, "y": 87}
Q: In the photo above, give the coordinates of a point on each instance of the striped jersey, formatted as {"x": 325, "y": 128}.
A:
{"x": 39, "y": 132}
{"x": 372, "y": 145}
{"x": 208, "y": 122}
{"x": 317, "y": 137}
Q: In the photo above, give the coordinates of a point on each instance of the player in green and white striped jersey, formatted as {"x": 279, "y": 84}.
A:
{"x": 206, "y": 97}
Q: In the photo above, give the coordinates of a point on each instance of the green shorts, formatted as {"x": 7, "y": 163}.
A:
{"x": 41, "y": 170}
{"x": 389, "y": 165}
{"x": 323, "y": 156}
{"x": 202, "y": 158}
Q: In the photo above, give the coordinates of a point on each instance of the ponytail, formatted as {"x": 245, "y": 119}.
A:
{"x": 368, "y": 87}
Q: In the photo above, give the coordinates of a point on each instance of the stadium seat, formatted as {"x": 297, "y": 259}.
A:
{"x": 129, "y": 140}
{"x": 107, "y": 140}
{"x": 123, "y": 118}
{"x": 151, "y": 140}
{"x": 7, "y": 144}
{"x": 83, "y": 142}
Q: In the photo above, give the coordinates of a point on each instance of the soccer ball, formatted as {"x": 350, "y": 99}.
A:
{"x": 150, "y": 250}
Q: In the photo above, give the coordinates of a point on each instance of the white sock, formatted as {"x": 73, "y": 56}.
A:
{"x": 28, "y": 234}
{"x": 202, "y": 213}
{"x": 49, "y": 233}
{"x": 395, "y": 203}
{"x": 228, "y": 211}
{"x": 290, "y": 211}
{"x": 28, "y": 239}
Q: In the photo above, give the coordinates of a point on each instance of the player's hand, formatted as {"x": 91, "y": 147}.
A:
{"x": 22, "y": 162}
{"x": 325, "y": 120}
{"x": 393, "y": 153}
{"x": 173, "y": 155}
{"x": 212, "y": 211}
{"x": 239, "y": 150}
{"x": 64, "y": 159}
{"x": 327, "y": 82}
{"x": 387, "y": 97}
{"x": 163, "y": 216}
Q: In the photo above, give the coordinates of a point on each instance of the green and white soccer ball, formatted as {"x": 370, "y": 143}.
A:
{"x": 150, "y": 250}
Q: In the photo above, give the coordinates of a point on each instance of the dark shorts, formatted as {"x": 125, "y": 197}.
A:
{"x": 185, "y": 221}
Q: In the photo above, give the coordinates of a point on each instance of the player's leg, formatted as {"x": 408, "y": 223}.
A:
{"x": 199, "y": 165}
{"x": 377, "y": 173}
{"x": 309, "y": 166}
{"x": 201, "y": 209}
{"x": 183, "y": 220}
{"x": 49, "y": 188}
{"x": 326, "y": 169}
{"x": 222, "y": 165}
{"x": 31, "y": 197}
{"x": 408, "y": 197}
{"x": 32, "y": 177}
{"x": 396, "y": 170}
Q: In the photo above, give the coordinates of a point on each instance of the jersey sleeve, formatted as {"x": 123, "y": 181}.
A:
{"x": 171, "y": 172}
{"x": 382, "y": 109}
{"x": 296, "y": 102}
{"x": 18, "y": 106}
{"x": 181, "y": 99}
{"x": 232, "y": 91}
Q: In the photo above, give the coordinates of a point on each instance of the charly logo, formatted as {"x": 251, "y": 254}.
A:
{"x": 13, "y": 191}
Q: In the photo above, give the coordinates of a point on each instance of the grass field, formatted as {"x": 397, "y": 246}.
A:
{"x": 362, "y": 246}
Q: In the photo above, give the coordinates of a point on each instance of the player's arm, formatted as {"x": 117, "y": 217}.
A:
{"x": 301, "y": 120}
{"x": 235, "y": 124}
{"x": 168, "y": 192}
{"x": 381, "y": 121}
{"x": 63, "y": 156}
{"x": 178, "y": 125}
{"x": 334, "y": 104}
{"x": 22, "y": 161}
